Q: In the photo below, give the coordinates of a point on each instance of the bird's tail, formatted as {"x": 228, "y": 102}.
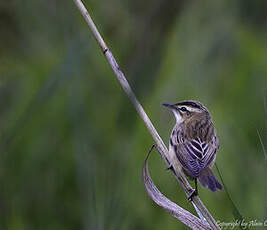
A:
{"x": 207, "y": 179}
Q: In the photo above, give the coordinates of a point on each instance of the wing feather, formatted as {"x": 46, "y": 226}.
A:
{"x": 195, "y": 154}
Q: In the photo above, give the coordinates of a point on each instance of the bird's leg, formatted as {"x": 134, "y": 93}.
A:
{"x": 170, "y": 167}
{"x": 196, "y": 189}
{"x": 195, "y": 192}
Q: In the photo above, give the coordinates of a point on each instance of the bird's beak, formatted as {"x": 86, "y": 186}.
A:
{"x": 169, "y": 105}
{"x": 176, "y": 111}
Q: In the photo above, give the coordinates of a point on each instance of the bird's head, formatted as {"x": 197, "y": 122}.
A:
{"x": 188, "y": 109}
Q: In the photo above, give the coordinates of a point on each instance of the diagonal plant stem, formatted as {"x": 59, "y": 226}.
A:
{"x": 176, "y": 211}
{"x": 199, "y": 206}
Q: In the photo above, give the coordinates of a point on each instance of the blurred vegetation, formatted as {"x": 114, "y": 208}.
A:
{"x": 72, "y": 146}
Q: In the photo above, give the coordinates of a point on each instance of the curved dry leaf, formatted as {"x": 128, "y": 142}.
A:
{"x": 175, "y": 210}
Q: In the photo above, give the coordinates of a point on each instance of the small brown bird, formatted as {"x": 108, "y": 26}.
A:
{"x": 193, "y": 143}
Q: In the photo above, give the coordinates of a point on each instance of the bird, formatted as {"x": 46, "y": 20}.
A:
{"x": 193, "y": 144}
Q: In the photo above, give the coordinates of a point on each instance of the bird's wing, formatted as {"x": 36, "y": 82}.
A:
{"x": 195, "y": 154}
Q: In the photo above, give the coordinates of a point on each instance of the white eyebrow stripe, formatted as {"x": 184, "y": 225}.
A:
{"x": 189, "y": 108}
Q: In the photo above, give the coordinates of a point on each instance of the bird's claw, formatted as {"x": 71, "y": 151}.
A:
{"x": 170, "y": 167}
{"x": 194, "y": 193}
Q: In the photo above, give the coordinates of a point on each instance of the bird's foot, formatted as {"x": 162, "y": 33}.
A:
{"x": 194, "y": 193}
{"x": 170, "y": 167}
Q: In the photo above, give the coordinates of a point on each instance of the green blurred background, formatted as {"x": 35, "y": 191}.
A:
{"x": 72, "y": 146}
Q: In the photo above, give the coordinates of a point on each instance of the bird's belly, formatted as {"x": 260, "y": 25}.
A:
{"x": 176, "y": 164}
{"x": 174, "y": 160}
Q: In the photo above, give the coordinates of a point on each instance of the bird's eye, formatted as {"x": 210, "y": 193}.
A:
{"x": 183, "y": 109}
